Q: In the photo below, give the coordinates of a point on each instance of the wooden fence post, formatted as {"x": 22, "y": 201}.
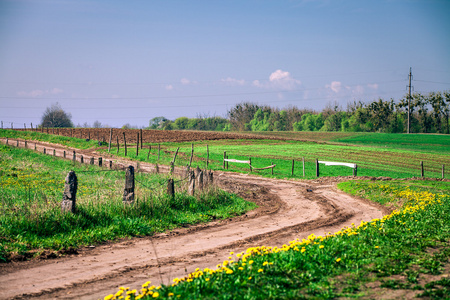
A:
{"x": 110, "y": 164}
{"x": 292, "y": 171}
{"x": 141, "y": 138}
{"x": 207, "y": 157}
{"x": 110, "y": 137}
{"x": 156, "y": 168}
{"x": 82, "y": 159}
{"x": 100, "y": 161}
{"x": 191, "y": 189}
{"x": 272, "y": 165}
{"x": 137, "y": 144}
{"x": 149, "y": 150}
{"x": 17, "y": 143}
{"x": 317, "y": 168}
{"x": 443, "y": 171}
{"x": 6, "y": 141}
{"x": 159, "y": 150}
{"x": 192, "y": 154}
{"x": 303, "y": 161}
{"x": 355, "y": 170}
{"x": 74, "y": 158}
{"x": 421, "y": 169}
{"x": 91, "y": 162}
{"x": 250, "y": 164}
{"x": 170, "y": 188}
{"x": 26, "y": 144}
{"x": 118, "y": 146}
{"x": 64, "y": 153}
{"x": 68, "y": 203}
{"x": 224, "y": 157}
{"x": 45, "y": 151}
{"x": 54, "y": 152}
{"x": 35, "y": 146}
{"x": 172, "y": 168}
{"x": 175, "y": 157}
{"x": 125, "y": 143}
{"x": 128, "y": 192}
{"x": 200, "y": 180}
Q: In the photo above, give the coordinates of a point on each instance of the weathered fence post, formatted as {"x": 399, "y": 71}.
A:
{"x": 149, "y": 150}
{"x": 272, "y": 165}
{"x": 141, "y": 138}
{"x": 421, "y": 169}
{"x": 443, "y": 171}
{"x": 200, "y": 180}
{"x": 355, "y": 170}
{"x": 17, "y": 143}
{"x": 45, "y": 151}
{"x": 54, "y": 152}
{"x": 175, "y": 157}
{"x": 192, "y": 154}
{"x": 118, "y": 146}
{"x": 170, "y": 188}
{"x": 110, "y": 164}
{"x": 110, "y": 137}
{"x": 224, "y": 157}
{"x": 35, "y": 146}
{"x": 26, "y": 144}
{"x": 303, "y": 161}
{"x": 191, "y": 189}
{"x": 64, "y": 153}
{"x": 250, "y": 164}
{"x": 68, "y": 203}
{"x": 125, "y": 143}
{"x": 6, "y": 141}
{"x": 74, "y": 158}
{"x": 100, "y": 161}
{"x": 207, "y": 157}
{"x": 82, "y": 159}
{"x": 91, "y": 161}
{"x": 137, "y": 144}
{"x": 187, "y": 171}
{"x": 317, "y": 168}
{"x": 128, "y": 192}
{"x": 292, "y": 171}
{"x": 156, "y": 168}
{"x": 210, "y": 178}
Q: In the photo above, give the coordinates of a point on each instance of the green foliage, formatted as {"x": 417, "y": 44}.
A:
{"x": 55, "y": 116}
{"x": 338, "y": 265}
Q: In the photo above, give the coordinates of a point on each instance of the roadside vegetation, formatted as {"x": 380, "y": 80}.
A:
{"x": 31, "y": 189}
{"x": 406, "y": 250}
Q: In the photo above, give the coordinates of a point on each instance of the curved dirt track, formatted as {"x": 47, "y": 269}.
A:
{"x": 288, "y": 210}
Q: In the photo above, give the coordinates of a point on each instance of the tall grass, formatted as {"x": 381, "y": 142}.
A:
{"x": 31, "y": 187}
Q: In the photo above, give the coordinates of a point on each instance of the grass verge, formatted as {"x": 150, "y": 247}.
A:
{"x": 365, "y": 260}
{"x": 31, "y": 222}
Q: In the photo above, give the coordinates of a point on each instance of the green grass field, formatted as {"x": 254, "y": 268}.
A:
{"x": 31, "y": 188}
{"x": 406, "y": 250}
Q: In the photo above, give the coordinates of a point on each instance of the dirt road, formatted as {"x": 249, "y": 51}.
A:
{"x": 288, "y": 210}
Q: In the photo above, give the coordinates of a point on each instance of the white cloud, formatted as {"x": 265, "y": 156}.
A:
{"x": 185, "y": 81}
{"x": 373, "y": 86}
{"x": 169, "y": 87}
{"x": 335, "y": 86}
{"x": 233, "y": 81}
{"x": 279, "y": 80}
{"x": 38, "y": 93}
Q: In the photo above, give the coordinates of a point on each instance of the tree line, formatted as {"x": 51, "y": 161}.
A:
{"x": 429, "y": 113}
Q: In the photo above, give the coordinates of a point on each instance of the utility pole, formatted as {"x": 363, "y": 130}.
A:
{"x": 409, "y": 101}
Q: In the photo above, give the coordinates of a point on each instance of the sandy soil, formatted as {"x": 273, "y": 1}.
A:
{"x": 288, "y": 210}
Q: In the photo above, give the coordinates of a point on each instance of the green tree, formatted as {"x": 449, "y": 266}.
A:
{"x": 55, "y": 116}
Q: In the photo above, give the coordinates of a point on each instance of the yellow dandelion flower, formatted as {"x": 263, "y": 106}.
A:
{"x": 338, "y": 259}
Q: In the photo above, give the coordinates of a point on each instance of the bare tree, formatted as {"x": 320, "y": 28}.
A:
{"x": 55, "y": 116}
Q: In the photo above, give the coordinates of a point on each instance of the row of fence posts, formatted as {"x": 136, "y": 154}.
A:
{"x": 225, "y": 163}
{"x": 355, "y": 169}
{"x": 195, "y": 177}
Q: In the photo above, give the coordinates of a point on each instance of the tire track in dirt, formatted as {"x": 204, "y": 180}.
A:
{"x": 288, "y": 209}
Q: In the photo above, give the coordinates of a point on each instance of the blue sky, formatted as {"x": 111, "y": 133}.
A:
{"x": 124, "y": 62}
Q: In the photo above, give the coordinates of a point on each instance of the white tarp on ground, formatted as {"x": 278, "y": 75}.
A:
{"x": 331, "y": 163}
